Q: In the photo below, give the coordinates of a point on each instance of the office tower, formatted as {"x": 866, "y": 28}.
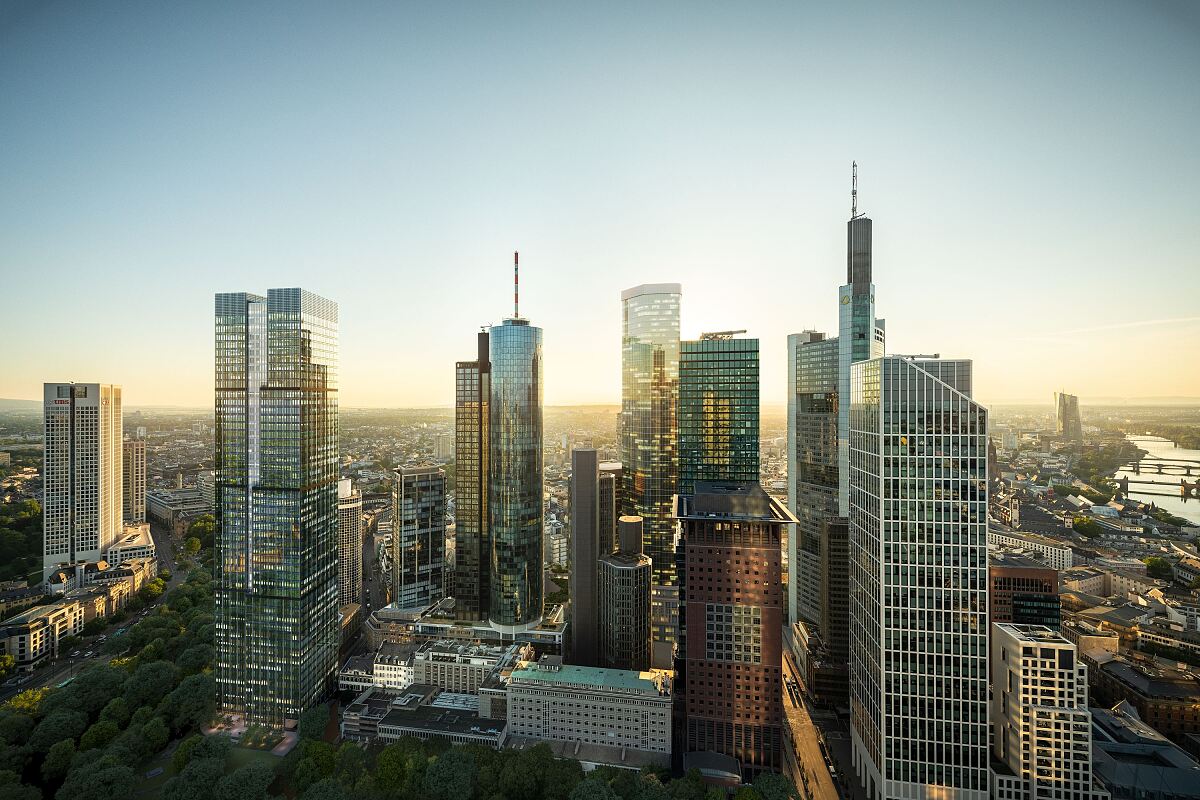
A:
{"x": 472, "y": 445}
{"x": 277, "y": 498}
{"x": 586, "y": 550}
{"x": 350, "y": 543}
{"x": 625, "y": 578}
{"x": 81, "y": 508}
{"x": 1067, "y": 423}
{"x": 515, "y": 508}
{"x": 649, "y": 393}
{"x": 918, "y": 580}
{"x": 133, "y": 481}
{"x": 718, "y": 410}
{"x": 1042, "y": 729}
{"x": 729, "y": 653}
{"x": 1022, "y": 590}
{"x": 418, "y": 536}
{"x": 609, "y": 488}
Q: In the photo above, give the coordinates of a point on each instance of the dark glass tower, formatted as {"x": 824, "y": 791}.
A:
{"x": 718, "y": 410}
{"x": 276, "y": 502}
{"x": 418, "y": 535}
{"x": 472, "y": 444}
{"x": 586, "y": 549}
{"x": 515, "y": 506}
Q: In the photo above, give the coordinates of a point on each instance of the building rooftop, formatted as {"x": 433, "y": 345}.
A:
{"x": 551, "y": 670}
{"x": 1032, "y": 634}
{"x": 1152, "y": 679}
{"x": 1009, "y": 560}
{"x": 739, "y": 501}
{"x": 1127, "y": 752}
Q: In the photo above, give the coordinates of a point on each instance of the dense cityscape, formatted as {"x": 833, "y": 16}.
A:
{"x": 880, "y": 588}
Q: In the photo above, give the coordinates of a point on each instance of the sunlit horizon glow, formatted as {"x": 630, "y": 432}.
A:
{"x": 1030, "y": 170}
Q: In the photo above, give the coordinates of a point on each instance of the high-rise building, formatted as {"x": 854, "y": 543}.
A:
{"x": 649, "y": 394}
{"x": 609, "y": 488}
{"x": 729, "y": 654}
{"x": 350, "y": 543}
{"x": 1067, "y": 423}
{"x": 133, "y": 481}
{"x": 81, "y": 472}
{"x": 498, "y": 450}
{"x": 515, "y": 507}
{"x": 472, "y": 446}
{"x": 418, "y": 536}
{"x": 718, "y": 410}
{"x": 624, "y": 605}
{"x": 918, "y": 580}
{"x": 276, "y": 489}
{"x": 586, "y": 550}
{"x": 1041, "y": 726}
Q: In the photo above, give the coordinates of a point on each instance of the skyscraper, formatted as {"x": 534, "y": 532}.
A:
{"x": 276, "y": 492}
{"x": 472, "y": 445}
{"x": 81, "y": 508}
{"x": 586, "y": 550}
{"x": 418, "y": 536}
{"x": 918, "y": 580}
{"x": 624, "y": 605}
{"x": 1042, "y": 729}
{"x": 730, "y": 650}
{"x": 609, "y": 499}
{"x": 1067, "y": 423}
{"x": 718, "y": 410}
{"x": 133, "y": 481}
{"x": 350, "y": 543}
{"x": 649, "y": 393}
{"x": 515, "y": 507}
{"x": 498, "y": 447}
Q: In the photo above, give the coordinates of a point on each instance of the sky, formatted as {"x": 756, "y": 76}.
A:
{"x": 1031, "y": 170}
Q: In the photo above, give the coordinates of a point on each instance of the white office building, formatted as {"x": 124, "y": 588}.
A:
{"x": 133, "y": 481}
{"x": 552, "y": 701}
{"x": 1042, "y": 729}
{"x": 82, "y": 508}
{"x": 918, "y": 580}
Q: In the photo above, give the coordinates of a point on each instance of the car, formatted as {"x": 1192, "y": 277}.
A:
{"x": 74, "y": 654}
{"x": 89, "y": 654}
{"x": 102, "y": 638}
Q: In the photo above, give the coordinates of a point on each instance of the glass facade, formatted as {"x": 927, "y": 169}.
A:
{"x": 472, "y": 443}
{"x": 276, "y": 502}
{"x": 515, "y": 506}
{"x": 718, "y": 411}
{"x": 918, "y": 579}
{"x": 648, "y": 434}
{"x": 418, "y": 536}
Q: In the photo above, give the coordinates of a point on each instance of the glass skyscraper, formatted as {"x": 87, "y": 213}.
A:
{"x": 418, "y": 535}
{"x": 718, "y": 411}
{"x": 472, "y": 444}
{"x": 276, "y": 503}
{"x": 918, "y": 580}
{"x": 649, "y": 393}
{"x": 515, "y": 508}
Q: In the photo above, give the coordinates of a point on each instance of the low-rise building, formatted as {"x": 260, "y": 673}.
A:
{"x": 1055, "y": 552}
{"x": 1166, "y": 698}
{"x": 619, "y": 709}
{"x": 456, "y": 666}
{"x": 420, "y": 711}
{"x": 136, "y": 542}
{"x": 33, "y": 636}
{"x": 1132, "y": 761}
{"x": 176, "y": 507}
{"x": 1024, "y": 591}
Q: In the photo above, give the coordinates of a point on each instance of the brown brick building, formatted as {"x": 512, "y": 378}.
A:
{"x": 1023, "y": 591}
{"x": 729, "y": 657}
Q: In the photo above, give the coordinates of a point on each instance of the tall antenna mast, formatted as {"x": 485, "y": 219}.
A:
{"x": 516, "y": 287}
{"x": 853, "y": 190}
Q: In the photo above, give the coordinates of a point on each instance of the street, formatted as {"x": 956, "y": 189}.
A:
{"x": 813, "y": 780}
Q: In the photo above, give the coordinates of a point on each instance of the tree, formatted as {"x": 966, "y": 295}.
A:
{"x": 156, "y": 735}
{"x": 1158, "y": 567}
{"x": 198, "y": 781}
{"x": 351, "y": 763}
{"x": 117, "y": 710}
{"x": 196, "y": 658}
{"x": 191, "y": 546}
{"x": 99, "y": 735}
{"x": 56, "y": 727}
{"x": 313, "y": 722}
{"x": 1086, "y": 526}
{"x": 15, "y": 728}
{"x": 151, "y": 683}
{"x": 28, "y": 702}
{"x": 327, "y": 789}
{"x": 249, "y": 782}
{"x": 58, "y": 761}
{"x": 773, "y": 786}
{"x": 106, "y": 782}
{"x": 183, "y": 753}
{"x": 452, "y": 776}
{"x": 593, "y": 789}
{"x": 191, "y": 704}
{"x": 95, "y": 626}
{"x": 203, "y": 528}
{"x": 747, "y": 793}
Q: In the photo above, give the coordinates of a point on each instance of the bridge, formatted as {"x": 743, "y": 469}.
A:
{"x": 1164, "y": 466}
{"x": 1188, "y": 491}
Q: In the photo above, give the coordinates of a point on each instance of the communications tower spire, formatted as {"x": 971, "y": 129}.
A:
{"x": 853, "y": 190}
{"x": 516, "y": 287}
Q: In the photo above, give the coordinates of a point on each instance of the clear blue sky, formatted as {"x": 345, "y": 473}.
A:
{"x": 1032, "y": 170}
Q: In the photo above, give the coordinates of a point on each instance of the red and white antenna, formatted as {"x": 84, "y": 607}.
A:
{"x": 516, "y": 286}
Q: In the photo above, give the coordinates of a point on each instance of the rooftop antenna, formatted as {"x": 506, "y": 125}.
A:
{"x": 854, "y": 190}
{"x": 516, "y": 287}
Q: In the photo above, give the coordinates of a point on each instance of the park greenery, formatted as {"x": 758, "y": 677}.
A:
{"x": 1158, "y": 567}
{"x": 1087, "y": 526}
{"x": 20, "y": 539}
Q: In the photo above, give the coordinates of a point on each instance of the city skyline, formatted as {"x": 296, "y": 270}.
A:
{"x": 266, "y": 170}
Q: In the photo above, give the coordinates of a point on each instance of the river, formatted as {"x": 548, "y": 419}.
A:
{"x": 1158, "y": 448}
